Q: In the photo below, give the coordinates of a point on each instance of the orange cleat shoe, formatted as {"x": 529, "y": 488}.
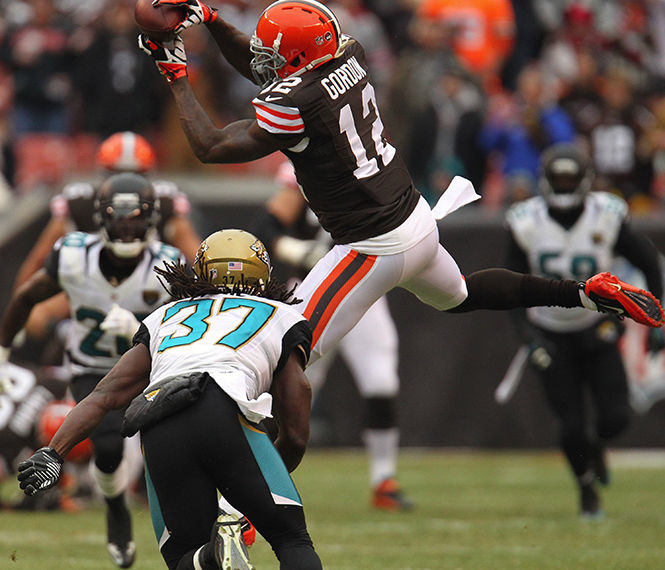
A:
{"x": 608, "y": 294}
{"x": 388, "y": 496}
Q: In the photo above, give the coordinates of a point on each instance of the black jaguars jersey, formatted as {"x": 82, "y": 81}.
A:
{"x": 354, "y": 179}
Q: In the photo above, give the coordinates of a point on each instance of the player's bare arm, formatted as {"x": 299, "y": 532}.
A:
{"x": 292, "y": 398}
{"x": 233, "y": 44}
{"x": 39, "y": 287}
{"x": 241, "y": 141}
{"x": 54, "y": 230}
{"x": 126, "y": 380}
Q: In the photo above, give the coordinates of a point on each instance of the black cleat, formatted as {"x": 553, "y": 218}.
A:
{"x": 120, "y": 545}
{"x": 590, "y": 508}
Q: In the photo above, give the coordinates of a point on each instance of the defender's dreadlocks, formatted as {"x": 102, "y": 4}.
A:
{"x": 182, "y": 283}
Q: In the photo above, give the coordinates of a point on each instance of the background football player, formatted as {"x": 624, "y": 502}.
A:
{"x": 72, "y": 210}
{"x": 570, "y": 232}
{"x": 109, "y": 283}
{"x": 294, "y": 237}
{"x": 231, "y": 342}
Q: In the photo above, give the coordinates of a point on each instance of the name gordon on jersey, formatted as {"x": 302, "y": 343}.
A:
{"x": 343, "y": 78}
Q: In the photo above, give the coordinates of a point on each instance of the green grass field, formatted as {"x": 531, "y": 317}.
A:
{"x": 474, "y": 510}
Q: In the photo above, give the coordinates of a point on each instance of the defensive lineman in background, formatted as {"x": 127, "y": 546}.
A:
{"x": 110, "y": 284}
{"x": 572, "y": 232}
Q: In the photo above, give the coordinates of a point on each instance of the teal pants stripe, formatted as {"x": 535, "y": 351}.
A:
{"x": 272, "y": 467}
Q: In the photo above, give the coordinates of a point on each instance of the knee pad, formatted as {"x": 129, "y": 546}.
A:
{"x": 108, "y": 451}
{"x": 380, "y": 413}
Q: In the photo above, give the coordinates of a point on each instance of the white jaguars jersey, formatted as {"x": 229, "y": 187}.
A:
{"x": 91, "y": 296}
{"x": 576, "y": 253}
{"x": 238, "y": 339}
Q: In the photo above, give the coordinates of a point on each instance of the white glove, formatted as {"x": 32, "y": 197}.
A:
{"x": 303, "y": 253}
{"x": 120, "y": 322}
{"x": 5, "y": 380}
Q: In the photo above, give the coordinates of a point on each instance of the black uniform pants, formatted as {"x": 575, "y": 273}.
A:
{"x": 586, "y": 388}
{"x": 207, "y": 447}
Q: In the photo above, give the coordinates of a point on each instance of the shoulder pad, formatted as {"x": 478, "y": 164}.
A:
{"x": 165, "y": 188}
{"x": 77, "y": 190}
{"x": 610, "y": 203}
{"x": 165, "y": 251}
{"x": 78, "y": 239}
{"x": 275, "y": 110}
{"x": 524, "y": 210}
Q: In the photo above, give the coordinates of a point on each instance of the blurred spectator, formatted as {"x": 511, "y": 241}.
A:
{"x": 358, "y": 22}
{"x": 529, "y": 36}
{"x": 396, "y": 18}
{"x": 37, "y": 54}
{"x": 580, "y": 96}
{"x": 519, "y": 128}
{"x": 482, "y": 34}
{"x": 620, "y": 166}
{"x": 652, "y": 143}
{"x": 118, "y": 89}
{"x": 458, "y": 104}
{"x": 411, "y": 118}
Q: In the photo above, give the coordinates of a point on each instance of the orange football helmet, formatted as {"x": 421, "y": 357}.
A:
{"x": 51, "y": 419}
{"x": 292, "y": 37}
{"x": 126, "y": 152}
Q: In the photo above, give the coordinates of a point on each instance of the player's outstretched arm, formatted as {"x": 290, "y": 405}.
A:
{"x": 234, "y": 46}
{"x": 241, "y": 141}
{"x": 39, "y": 287}
{"x": 126, "y": 380}
{"x": 292, "y": 398}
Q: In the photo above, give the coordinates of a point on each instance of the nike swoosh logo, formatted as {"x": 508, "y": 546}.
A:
{"x": 269, "y": 98}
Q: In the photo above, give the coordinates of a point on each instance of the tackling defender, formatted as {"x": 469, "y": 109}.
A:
{"x": 227, "y": 350}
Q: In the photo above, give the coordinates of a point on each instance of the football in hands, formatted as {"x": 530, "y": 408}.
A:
{"x": 158, "y": 22}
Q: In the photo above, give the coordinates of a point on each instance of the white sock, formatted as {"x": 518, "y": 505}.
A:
{"x": 382, "y": 446}
{"x": 111, "y": 484}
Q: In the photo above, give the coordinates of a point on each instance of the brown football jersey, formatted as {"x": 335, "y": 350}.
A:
{"x": 354, "y": 179}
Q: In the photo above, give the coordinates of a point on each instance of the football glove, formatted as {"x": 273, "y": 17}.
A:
{"x": 304, "y": 253}
{"x": 120, "y": 322}
{"x": 197, "y": 12}
{"x": 171, "y": 61}
{"x": 40, "y": 471}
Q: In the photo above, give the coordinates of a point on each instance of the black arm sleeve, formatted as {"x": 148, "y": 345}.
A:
{"x": 142, "y": 336}
{"x": 298, "y": 337}
{"x": 642, "y": 253}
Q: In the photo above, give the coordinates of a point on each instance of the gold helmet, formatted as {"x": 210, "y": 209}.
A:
{"x": 233, "y": 258}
